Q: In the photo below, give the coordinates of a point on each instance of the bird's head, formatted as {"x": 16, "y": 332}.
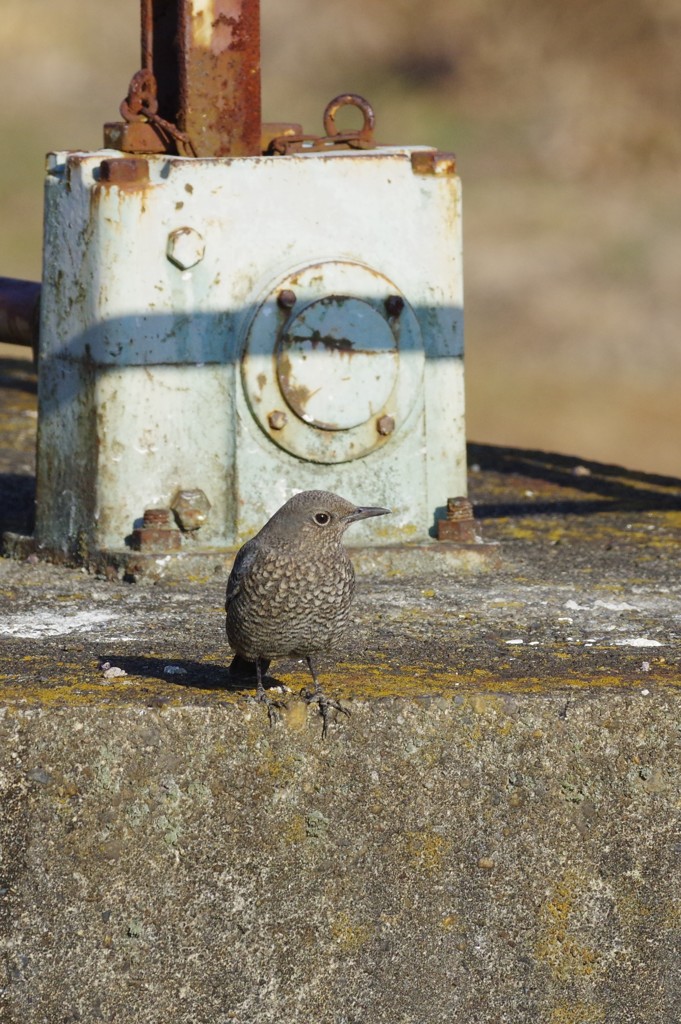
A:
{"x": 318, "y": 516}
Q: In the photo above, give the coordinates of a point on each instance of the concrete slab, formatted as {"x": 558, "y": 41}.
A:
{"x": 492, "y": 836}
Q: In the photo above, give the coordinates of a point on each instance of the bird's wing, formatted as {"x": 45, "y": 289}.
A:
{"x": 242, "y": 565}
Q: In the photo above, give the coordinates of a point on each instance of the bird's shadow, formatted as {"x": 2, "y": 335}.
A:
{"x": 197, "y": 675}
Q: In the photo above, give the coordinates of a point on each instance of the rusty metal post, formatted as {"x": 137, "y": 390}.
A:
{"x": 206, "y": 61}
{"x": 220, "y": 77}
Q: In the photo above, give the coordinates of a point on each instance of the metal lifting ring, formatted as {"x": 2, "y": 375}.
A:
{"x": 349, "y": 99}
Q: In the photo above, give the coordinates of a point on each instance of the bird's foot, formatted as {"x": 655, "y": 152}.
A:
{"x": 271, "y": 703}
{"x": 273, "y": 706}
{"x": 326, "y": 704}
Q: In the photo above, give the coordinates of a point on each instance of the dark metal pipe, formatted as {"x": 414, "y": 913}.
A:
{"x": 19, "y": 311}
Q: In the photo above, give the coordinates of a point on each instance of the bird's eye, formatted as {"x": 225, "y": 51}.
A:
{"x": 322, "y": 518}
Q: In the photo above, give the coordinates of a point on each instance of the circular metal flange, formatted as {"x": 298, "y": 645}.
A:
{"x": 326, "y": 368}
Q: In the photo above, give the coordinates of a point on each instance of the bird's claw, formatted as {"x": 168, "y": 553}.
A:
{"x": 325, "y": 703}
{"x": 271, "y": 704}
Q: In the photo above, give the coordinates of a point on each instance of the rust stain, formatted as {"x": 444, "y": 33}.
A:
{"x": 343, "y": 345}
{"x": 297, "y": 395}
{"x": 225, "y": 34}
{"x": 316, "y": 340}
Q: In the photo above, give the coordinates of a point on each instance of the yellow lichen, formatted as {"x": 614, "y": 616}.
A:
{"x": 425, "y": 851}
{"x": 349, "y": 933}
{"x": 557, "y": 946}
{"x": 577, "y": 1013}
{"x": 296, "y": 830}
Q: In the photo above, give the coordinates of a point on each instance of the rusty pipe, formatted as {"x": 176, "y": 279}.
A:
{"x": 19, "y": 311}
{"x": 220, "y": 78}
{"x": 206, "y": 62}
{"x": 147, "y": 28}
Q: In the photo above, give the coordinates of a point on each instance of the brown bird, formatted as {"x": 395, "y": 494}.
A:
{"x": 290, "y": 590}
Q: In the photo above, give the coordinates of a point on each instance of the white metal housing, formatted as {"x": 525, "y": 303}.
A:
{"x": 247, "y": 328}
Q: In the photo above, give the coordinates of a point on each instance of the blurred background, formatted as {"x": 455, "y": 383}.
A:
{"x": 565, "y": 118}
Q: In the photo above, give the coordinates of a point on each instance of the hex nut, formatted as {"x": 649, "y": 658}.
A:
{"x": 459, "y": 509}
{"x": 185, "y": 248}
{"x": 157, "y": 532}
{"x": 460, "y": 526}
{"x": 432, "y": 161}
{"x": 385, "y": 425}
{"x": 277, "y": 419}
{"x": 124, "y": 171}
{"x": 191, "y": 508}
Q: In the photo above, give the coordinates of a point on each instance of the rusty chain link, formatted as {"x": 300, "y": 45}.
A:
{"x": 363, "y": 138}
{"x": 141, "y": 104}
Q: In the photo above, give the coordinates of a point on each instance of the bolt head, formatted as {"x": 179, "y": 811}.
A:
{"x": 185, "y": 248}
{"x": 460, "y": 525}
{"x": 433, "y": 161}
{"x": 286, "y": 299}
{"x": 459, "y": 508}
{"x": 124, "y": 171}
{"x": 191, "y": 509}
{"x": 156, "y": 517}
{"x": 277, "y": 419}
{"x": 394, "y": 305}
{"x": 385, "y": 425}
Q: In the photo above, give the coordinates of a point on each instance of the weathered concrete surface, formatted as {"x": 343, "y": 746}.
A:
{"x": 473, "y": 859}
{"x": 492, "y": 836}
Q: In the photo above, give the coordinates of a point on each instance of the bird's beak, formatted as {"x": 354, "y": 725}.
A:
{"x": 365, "y": 513}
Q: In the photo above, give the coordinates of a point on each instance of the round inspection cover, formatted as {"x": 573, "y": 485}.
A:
{"x": 333, "y": 353}
{"x": 337, "y": 362}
